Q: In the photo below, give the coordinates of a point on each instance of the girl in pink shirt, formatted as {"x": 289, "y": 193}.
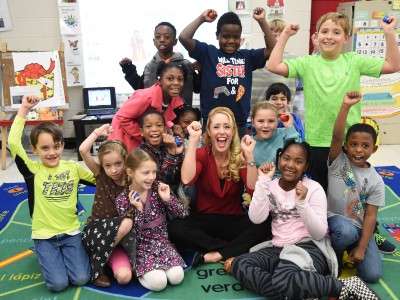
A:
{"x": 299, "y": 262}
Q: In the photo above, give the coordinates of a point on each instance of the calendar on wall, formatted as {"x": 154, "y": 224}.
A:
{"x": 381, "y": 96}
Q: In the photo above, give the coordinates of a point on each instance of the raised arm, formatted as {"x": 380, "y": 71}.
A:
{"x": 275, "y": 62}
{"x": 247, "y": 144}
{"x": 350, "y": 98}
{"x": 392, "y": 58}
{"x": 186, "y": 36}
{"x": 28, "y": 102}
{"x": 188, "y": 171}
{"x": 84, "y": 149}
{"x": 269, "y": 39}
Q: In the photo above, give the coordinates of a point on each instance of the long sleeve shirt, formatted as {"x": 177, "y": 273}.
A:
{"x": 292, "y": 220}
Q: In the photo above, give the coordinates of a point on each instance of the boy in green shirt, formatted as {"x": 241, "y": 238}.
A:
{"x": 52, "y": 186}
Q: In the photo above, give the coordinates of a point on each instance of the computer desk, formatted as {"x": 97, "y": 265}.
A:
{"x": 79, "y": 126}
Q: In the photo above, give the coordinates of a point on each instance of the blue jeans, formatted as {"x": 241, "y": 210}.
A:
{"x": 63, "y": 259}
{"x": 344, "y": 237}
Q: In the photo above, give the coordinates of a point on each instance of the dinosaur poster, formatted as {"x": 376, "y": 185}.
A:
{"x": 42, "y": 70}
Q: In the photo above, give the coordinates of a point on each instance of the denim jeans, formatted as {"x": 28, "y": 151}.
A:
{"x": 344, "y": 237}
{"x": 63, "y": 259}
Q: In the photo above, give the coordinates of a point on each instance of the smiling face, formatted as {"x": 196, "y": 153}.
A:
{"x": 293, "y": 163}
{"x": 280, "y": 101}
{"x": 220, "y": 131}
{"x": 359, "y": 147}
{"x": 265, "y": 122}
{"x": 143, "y": 176}
{"x": 114, "y": 166}
{"x": 185, "y": 120}
{"x": 331, "y": 38}
{"x": 48, "y": 150}
{"x": 152, "y": 129}
{"x": 171, "y": 82}
{"x": 164, "y": 39}
{"x": 229, "y": 38}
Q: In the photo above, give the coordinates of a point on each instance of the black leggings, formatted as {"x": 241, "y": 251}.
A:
{"x": 230, "y": 235}
{"x": 264, "y": 273}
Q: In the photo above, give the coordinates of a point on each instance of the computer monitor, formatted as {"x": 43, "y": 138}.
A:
{"x": 99, "y": 98}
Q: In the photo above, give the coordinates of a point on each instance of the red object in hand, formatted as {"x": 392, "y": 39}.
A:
{"x": 212, "y": 15}
{"x": 169, "y": 124}
{"x": 284, "y": 118}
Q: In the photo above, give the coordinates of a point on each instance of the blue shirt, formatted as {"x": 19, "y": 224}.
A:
{"x": 224, "y": 77}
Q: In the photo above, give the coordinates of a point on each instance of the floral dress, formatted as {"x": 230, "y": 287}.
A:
{"x": 153, "y": 248}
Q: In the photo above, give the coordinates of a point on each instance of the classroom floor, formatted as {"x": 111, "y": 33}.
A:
{"x": 387, "y": 155}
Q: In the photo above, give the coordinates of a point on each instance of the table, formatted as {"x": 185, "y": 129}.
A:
{"x": 7, "y": 123}
{"x": 79, "y": 126}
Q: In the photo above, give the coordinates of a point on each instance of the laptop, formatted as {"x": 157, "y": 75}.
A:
{"x": 99, "y": 101}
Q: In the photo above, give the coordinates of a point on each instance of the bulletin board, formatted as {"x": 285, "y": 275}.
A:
{"x": 381, "y": 96}
{"x": 9, "y": 78}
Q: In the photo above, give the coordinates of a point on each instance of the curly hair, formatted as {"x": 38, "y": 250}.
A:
{"x": 234, "y": 163}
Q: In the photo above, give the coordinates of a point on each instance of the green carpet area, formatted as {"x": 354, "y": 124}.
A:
{"x": 20, "y": 276}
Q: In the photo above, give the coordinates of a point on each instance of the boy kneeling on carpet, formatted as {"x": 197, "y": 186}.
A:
{"x": 52, "y": 186}
{"x": 355, "y": 192}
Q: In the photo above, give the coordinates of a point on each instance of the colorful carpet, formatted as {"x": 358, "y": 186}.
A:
{"x": 20, "y": 276}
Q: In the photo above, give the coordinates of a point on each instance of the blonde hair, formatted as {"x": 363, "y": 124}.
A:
{"x": 277, "y": 25}
{"x": 234, "y": 162}
{"x": 338, "y": 18}
{"x": 109, "y": 146}
{"x": 133, "y": 161}
{"x": 262, "y": 105}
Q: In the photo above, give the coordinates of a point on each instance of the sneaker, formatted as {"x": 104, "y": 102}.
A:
{"x": 384, "y": 245}
{"x": 355, "y": 288}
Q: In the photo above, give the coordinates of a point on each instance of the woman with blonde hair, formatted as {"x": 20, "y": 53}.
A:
{"x": 218, "y": 228}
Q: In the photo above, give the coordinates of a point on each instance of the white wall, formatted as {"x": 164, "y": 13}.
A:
{"x": 36, "y": 27}
{"x": 296, "y": 11}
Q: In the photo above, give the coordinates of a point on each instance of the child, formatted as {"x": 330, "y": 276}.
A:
{"x": 269, "y": 138}
{"x": 52, "y": 186}
{"x": 110, "y": 182}
{"x": 279, "y": 95}
{"x": 355, "y": 192}
{"x": 227, "y": 72}
{"x": 328, "y": 76}
{"x": 162, "y": 147}
{"x": 185, "y": 115}
{"x": 298, "y": 263}
{"x": 164, "y": 40}
{"x": 157, "y": 260}
{"x": 262, "y": 78}
{"x": 163, "y": 96}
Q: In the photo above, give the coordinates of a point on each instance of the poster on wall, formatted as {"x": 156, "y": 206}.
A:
{"x": 275, "y": 9}
{"x": 240, "y": 7}
{"x": 42, "y": 71}
{"x": 70, "y": 26}
{"x": 381, "y": 96}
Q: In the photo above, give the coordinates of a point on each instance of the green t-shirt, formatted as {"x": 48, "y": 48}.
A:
{"x": 324, "y": 83}
{"x": 52, "y": 192}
